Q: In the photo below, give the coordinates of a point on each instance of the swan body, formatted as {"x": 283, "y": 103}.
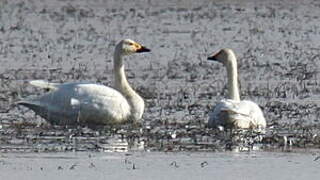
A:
{"x": 240, "y": 114}
{"x": 90, "y": 103}
{"x": 233, "y": 112}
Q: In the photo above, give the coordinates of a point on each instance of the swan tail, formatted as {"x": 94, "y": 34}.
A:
{"x": 36, "y": 106}
{"x": 29, "y": 103}
{"x": 44, "y": 84}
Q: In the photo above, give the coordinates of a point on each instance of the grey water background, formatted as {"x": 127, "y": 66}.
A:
{"x": 277, "y": 44}
{"x": 82, "y": 166}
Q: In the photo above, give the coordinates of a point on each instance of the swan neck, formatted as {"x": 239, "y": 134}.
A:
{"x": 121, "y": 84}
{"x": 233, "y": 87}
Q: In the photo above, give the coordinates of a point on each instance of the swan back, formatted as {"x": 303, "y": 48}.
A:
{"x": 44, "y": 84}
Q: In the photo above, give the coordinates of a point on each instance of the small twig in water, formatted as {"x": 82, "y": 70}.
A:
{"x": 204, "y": 163}
{"x": 73, "y": 166}
{"x": 317, "y": 158}
{"x": 174, "y": 163}
{"x": 92, "y": 165}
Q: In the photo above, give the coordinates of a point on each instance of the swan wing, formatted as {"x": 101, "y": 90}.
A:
{"x": 218, "y": 115}
{"x": 254, "y": 112}
{"x": 85, "y": 102}
{"x": 242, "y": 114}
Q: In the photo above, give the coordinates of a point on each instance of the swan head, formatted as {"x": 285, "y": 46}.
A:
{"x": 224, "y": 56}
{"x": 128, "y": 47}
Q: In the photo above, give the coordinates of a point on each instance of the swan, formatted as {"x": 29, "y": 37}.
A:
{"x": 233, "y": 112}
{"x": 91, "y": 103}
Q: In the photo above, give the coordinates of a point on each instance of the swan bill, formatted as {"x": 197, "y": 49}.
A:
{"x": 143, "y": 49}
{"x": 212, "y": 58}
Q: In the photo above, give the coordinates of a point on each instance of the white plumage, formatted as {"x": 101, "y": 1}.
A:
{"x": 240, "y": 114}
{"x": 233, "y": 112}
{"x": 90, "y": 103}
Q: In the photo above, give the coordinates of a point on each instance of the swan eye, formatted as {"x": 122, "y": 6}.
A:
{"x": 130, "y": 44}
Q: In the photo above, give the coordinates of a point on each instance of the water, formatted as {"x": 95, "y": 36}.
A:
{"x": 277, "y": 44}
{"x": 260, "y": 165}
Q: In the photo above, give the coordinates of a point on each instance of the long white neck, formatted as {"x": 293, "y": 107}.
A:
{"x": 232, "y": 71}
{"x": 121, "y": 84}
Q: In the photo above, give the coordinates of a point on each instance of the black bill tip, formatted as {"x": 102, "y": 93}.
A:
{"x": 143, "y": 49}
{"x": 211, "y": 58}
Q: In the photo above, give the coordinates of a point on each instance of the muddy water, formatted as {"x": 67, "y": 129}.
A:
{"x": 277, "y": 43}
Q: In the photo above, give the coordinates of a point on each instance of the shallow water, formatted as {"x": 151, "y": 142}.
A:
{"x": 258, "y": 165}
{"x": 62, "y": 41}
{"x": 277, "y": 43}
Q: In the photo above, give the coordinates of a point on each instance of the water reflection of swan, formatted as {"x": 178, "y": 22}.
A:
{"x": 233, "y": 112}
{"x": 90, "y": 103}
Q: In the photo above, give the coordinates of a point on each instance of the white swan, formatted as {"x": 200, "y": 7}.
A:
{"x": 90, "y": 103}
{"x": 233, "y": 112}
